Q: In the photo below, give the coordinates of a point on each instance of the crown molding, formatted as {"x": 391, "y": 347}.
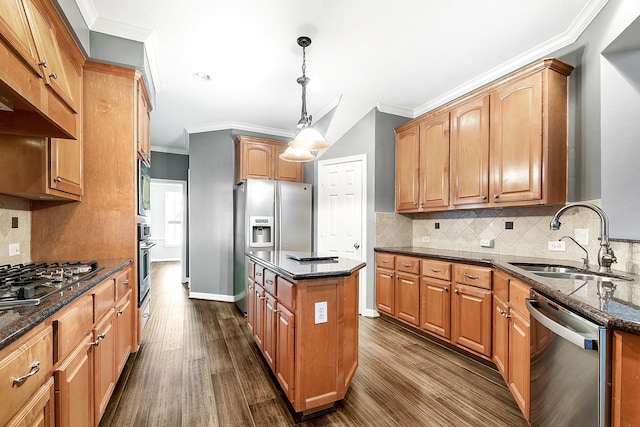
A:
{"x": 88, "y": 12}
{"x": 396, "y": 110}
{"x": 170, "y": 150}
{"x": 212, "y": 127}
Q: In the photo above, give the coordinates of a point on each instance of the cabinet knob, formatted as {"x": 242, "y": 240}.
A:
{"x": 446, "y": 289}
{"x": 57, "y": 179}
{"x": 43, "y": 63}
{"x": 415, "y": 204}
{"x": 120, "y": 312}
{"x": 356, "y": 245}
{"x": 457, "y": 292}
{"x": 53, "y": 76}
{"x": 483, "y": 197}
{"x": 495, "y": 196}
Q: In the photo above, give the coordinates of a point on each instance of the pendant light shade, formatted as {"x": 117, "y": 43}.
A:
{"x": 292, "y": 154}
{"x": 308, "y": 139}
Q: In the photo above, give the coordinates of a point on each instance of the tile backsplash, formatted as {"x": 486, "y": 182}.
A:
{"x": 462, "y": 230}
{"x": 13, "y": 207}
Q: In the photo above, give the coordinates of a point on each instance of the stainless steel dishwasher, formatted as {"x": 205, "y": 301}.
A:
{"x": 570, "y": 369}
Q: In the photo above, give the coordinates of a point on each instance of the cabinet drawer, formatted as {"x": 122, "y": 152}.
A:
{"x": 385, "y": 260}
{"x": 104, "y": 297}
{"x": 408, "y": 264}
{"x": 71, "y": 326}
{"x": 436, "y": 269}
{"x": 518, "y": 293}
{"x": 259, "y": 275}
{"x": 286, "y": 293}
{"x": 30, "y": 354}
{"x": 270, "y": 281}
{"x": 473, "y": 275}
{"x": 123, "y": 283}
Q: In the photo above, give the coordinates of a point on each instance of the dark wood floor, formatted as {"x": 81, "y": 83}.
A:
{"x": 197, "y": 366}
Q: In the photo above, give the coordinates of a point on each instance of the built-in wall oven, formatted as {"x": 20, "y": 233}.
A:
{"x": 144, "y": 261}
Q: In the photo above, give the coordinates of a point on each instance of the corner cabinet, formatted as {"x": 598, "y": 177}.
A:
{"x": 258, "y": 158}
{"x": 508, "y": 146}
{"x": 313, "y": 361}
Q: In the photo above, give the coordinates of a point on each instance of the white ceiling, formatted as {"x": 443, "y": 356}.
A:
{"x": 404, "y": 56}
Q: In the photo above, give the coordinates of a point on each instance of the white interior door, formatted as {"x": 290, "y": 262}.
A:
{"x": 341, "y": 210}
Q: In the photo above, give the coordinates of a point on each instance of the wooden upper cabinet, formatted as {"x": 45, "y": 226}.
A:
{"x": 15, "y": 31}
{"x": 508, "y": 146}
{"x": 143, "y": 122}
{"x": 470, "y": 152}
{"x": 54, "y": 71}
{"x": 407, "y": 165}
{"x": 258, "y": 158}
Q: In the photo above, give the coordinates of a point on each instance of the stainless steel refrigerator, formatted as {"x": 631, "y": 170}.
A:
{"x": 269, "y": 216}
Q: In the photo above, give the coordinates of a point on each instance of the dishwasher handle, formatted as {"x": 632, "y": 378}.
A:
{"x": 535, "y": 308}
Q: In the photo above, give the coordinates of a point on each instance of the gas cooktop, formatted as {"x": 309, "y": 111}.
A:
{"x": 24, "y": 284}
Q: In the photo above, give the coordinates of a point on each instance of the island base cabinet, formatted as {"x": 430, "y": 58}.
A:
{"x": 625, "y": 374}
{"x": 285, "y": 351}
{"x": 38, "y": 411}
{"x": 74, "y": 387}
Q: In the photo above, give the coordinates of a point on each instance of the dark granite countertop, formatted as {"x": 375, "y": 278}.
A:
{"x": 15, "y": 321}
{"x": 615, "y": 305}
{"x": 300, "y": 270}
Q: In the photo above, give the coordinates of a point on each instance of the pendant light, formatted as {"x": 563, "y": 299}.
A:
{"x": 308, "y": 139}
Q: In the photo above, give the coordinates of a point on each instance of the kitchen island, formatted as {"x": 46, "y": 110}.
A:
{"x": 303, "y": 316}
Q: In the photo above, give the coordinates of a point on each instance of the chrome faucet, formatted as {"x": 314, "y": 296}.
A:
{"x": 606, "y": 257}
{"x": 585, "y": 260}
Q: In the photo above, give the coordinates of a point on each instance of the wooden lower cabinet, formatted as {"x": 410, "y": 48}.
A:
{"x": 625, "y": 377}
{"x": 105, "y": 355}
{"x": 314, "y": 363}
{"x": 519, "y": 362}
{"x": 435, "y": 307}
{"x": 385, "y": 291}
{"x": 124, "y": 330}
{"x": 501, "y": 336}
{"x": 74, "y": 386}
{"x": 407, "y": 299}
{"x": 471, "y": 318}
{"x": 38, "y": 411}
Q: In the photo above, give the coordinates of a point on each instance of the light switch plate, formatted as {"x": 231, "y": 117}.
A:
{"x": 14, "y": 249}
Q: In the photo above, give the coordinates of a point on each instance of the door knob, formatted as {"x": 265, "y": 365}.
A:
{"x": 356, "y": 245}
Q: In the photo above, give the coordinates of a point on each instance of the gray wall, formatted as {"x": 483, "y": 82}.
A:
{"x": 169, "y": 166}
{"x": 374, "y": 137}
{"x": 211, "y": 164}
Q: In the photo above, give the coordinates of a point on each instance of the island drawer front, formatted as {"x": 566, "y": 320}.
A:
{"x": 71, "y": 326}
{"x": 286, "y": 293}
{"x": 518, "y": 293}
{"x": 385, "y": 261}
{"x": 408, "y": 264}
{"x": 473, "y": 275}
{"x": 436, "y": 269}
{"x": 104, "y": 296}
{"x": 270, "y": 282}
{"x": 19, "y": 363}
{"x": 259, "y": 275}
{"x": 123, "y": 282}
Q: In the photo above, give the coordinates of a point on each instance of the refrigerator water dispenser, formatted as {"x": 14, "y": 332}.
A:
{"x": 261, "y": 230}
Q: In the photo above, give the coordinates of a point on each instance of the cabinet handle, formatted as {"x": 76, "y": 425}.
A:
{"x": 404, "y": 264}
{"x": 269, "y": 282}
{"x": 446, "y": 289}
{"x": 95, "y": 343}
{"x": 384, "y": 261}
{"x": 469, "y": 276}
{"x": 390, "y": 276}
{"x": 125, "y": 282}
{"x": 35, "y": 368}
{"x": 145, "y": 316}
{"x": 53, "y": 76}
{"x": 43, "y": 63}
{"x": 258, "y": 274}
{"x": 435, "y": 270}
{"x": 120, "y": 312}
{"x": 57, "y": 179}
{"x": 457, "y": 292}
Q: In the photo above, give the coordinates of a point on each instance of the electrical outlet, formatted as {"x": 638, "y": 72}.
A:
{"x": 425, "y": 239}
{"x": 14, "y": 249}
{"x": 486, "y": 243}
{"x": 557, "y": 246}
{"x": 321, "y": 312}
{"x": 582, "y": 235}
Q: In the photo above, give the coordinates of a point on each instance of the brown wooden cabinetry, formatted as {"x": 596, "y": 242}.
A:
{"x": 407, "y": 288}
{"x": 435, "y": 300}
{"x": 313, "y": 362}
{"x": 104, "y": 360}
{"x": 385, "y": 283}
{"x": 471, "y": 309}
{"x": 39, "y": 410}
{"x": 74, "y": 386}
{"x": 508, "y": 146}
{"x": 143, "y": 108}
{"x": 258, "y": 158}
{"x": 625, "y": 375}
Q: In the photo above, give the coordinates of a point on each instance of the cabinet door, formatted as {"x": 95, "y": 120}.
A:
{"x": 46, "y": 42}
{"x": 434, "y": 162}
{"x": 385, "y": 291}
{"x": 516, "y": 141}
{"x": 143, "y": 124}
{"x": 251, "y": 304}
{"x": 519, "y": 362}
{"x": 104, "y": 336}
{"x": 285, "y": 355}
{"x": 38, "y": 411}
{"x": 124, "y": 331}
{"x": 407, "y": 170}
{"x": 408, "y": 298}
{"x": 14, "y": 30}
{"x": 501, "y": 336}
{"x": 470, "y": 152}
{"x": 471, "y": 318}
{"x": 286, "y": 171}
{"x": 73, "y": 385}
{"x": 65, "y": 165}
{"x": 435, "y": 307}
{"x": 269, "y": 343}
{"x": 258, "y": 325}
{"x": 257, "y": 159}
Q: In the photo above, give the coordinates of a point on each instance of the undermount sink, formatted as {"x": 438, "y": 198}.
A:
{"x": 567, "y": 272}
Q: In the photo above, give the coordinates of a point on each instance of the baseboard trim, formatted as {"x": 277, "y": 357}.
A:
{"x": 369, "y": 312}
{"x": 211, "y": 297}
